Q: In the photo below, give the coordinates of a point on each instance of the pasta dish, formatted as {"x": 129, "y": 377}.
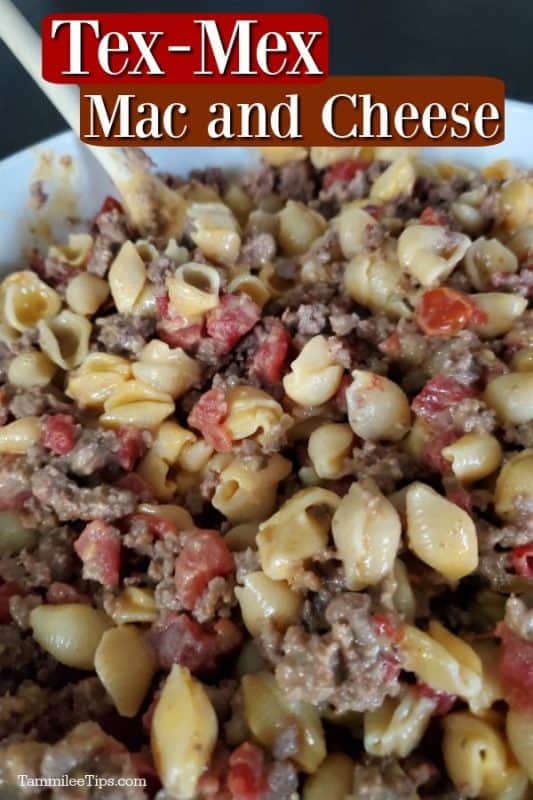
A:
{"x": 266, "y": 491}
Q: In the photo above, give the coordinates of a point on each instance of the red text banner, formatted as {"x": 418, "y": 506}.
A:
{"x": 184, "y": 48}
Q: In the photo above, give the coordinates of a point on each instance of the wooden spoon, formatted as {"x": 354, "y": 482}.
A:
{"x": 152, "y": 207}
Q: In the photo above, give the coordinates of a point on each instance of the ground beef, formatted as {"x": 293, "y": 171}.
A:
{"x": 296, "y": 181}
{"x": 374, "y": 330}
{"x": 342, "y": 323}
{"x": 84, "y": 750}
{"x": 15, "y": 475}
{"x": 521, "y": 334}
{"x": 282, "y": 781}
{"x": 385, "y": 464}
{"x": 113, "y": 225}
{"x": 73, "y": 703}
{"x": 212, "y": 354}
{"x": 161, "y": 268}
{"x": 95, "y": 450}
{"x": 37, "y": 401}
{"x": 260, "y": 183}
{"x": 124, "y": 334}
{"x": 304, "y": 294}
{"x": 519, "y": 434}
{"x": 48, "y": 714}
{"x": 348, "y": 668}
{"x": 21, "y": 658}
{"x": 18, "y": 711}
{"x": 494, "y": 568}
{"x": 287, "y": 742}
{"x": 71, "y": 502}
{"x": 216, "y": 600}
{"x": 161, "y": 572}
{"x": 472, "y": 414}
{"x": 211, "y": 176}
{"x": 53, "y": 559}
{"x": 100, "y": 257}
{"x": 246, "y": 562}
{"x": 382, "y": 779}
{"x": 512, "y": 535}
{"x": 462, "y": 357}
{"x": 5, "y": 358}
{"x": 494, "y": 546}
{"x": 455, "y": 357}
{"x": 20, "y": 608}
{"x": 258, "y": 250}
{"x": 520, "y": 283}
{"x": 307, "y": 320}
{"x": 139, "y": 537}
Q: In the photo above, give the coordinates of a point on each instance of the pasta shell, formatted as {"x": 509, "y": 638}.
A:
{"x": 70, "y": 632}
{"x": 267, "y": 712}
{"x": 120, "y": 649}
{"x": 440, "y": 533}
{"x": 184, "y": 733}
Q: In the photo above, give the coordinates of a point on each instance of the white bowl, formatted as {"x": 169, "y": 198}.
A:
{"x": 77, "y": 190}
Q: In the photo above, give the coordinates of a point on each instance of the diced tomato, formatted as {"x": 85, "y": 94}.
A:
{"x": 208, "y": 414}
{"x": 99, "y": 547}
{"x": 111, "y": 204}
{"x": 269, "y": 358}
{"x": 385, "y": 625}
{"x": 444, "y": 700}
{"x": 445, "y": 312}
{"x": 188, "y": 337}
{"x": 522, "y": 560}
{"x": 59, "y": 593}
{"x": 204, "y": 556}
{"x": 432, "y": 216}
{"x": 157, "y": 525}
{"x": 516, "y": 669}
{"x": 438, "y": 395}
{"x": 432, "y": 453}
{"x": 60, "y": 434}
{"x": 247, "y": 777}
{"x": 173, "y": 329}
{"x": 185, "y": 336}
{"x": 7, "y": 590}
{"x": 162, "y": 303}
{"x": 235, "y": 316}
{"x": 184, "y": 641}
{"x": 131, "y": 448}
{"x": 344, "y": 171}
